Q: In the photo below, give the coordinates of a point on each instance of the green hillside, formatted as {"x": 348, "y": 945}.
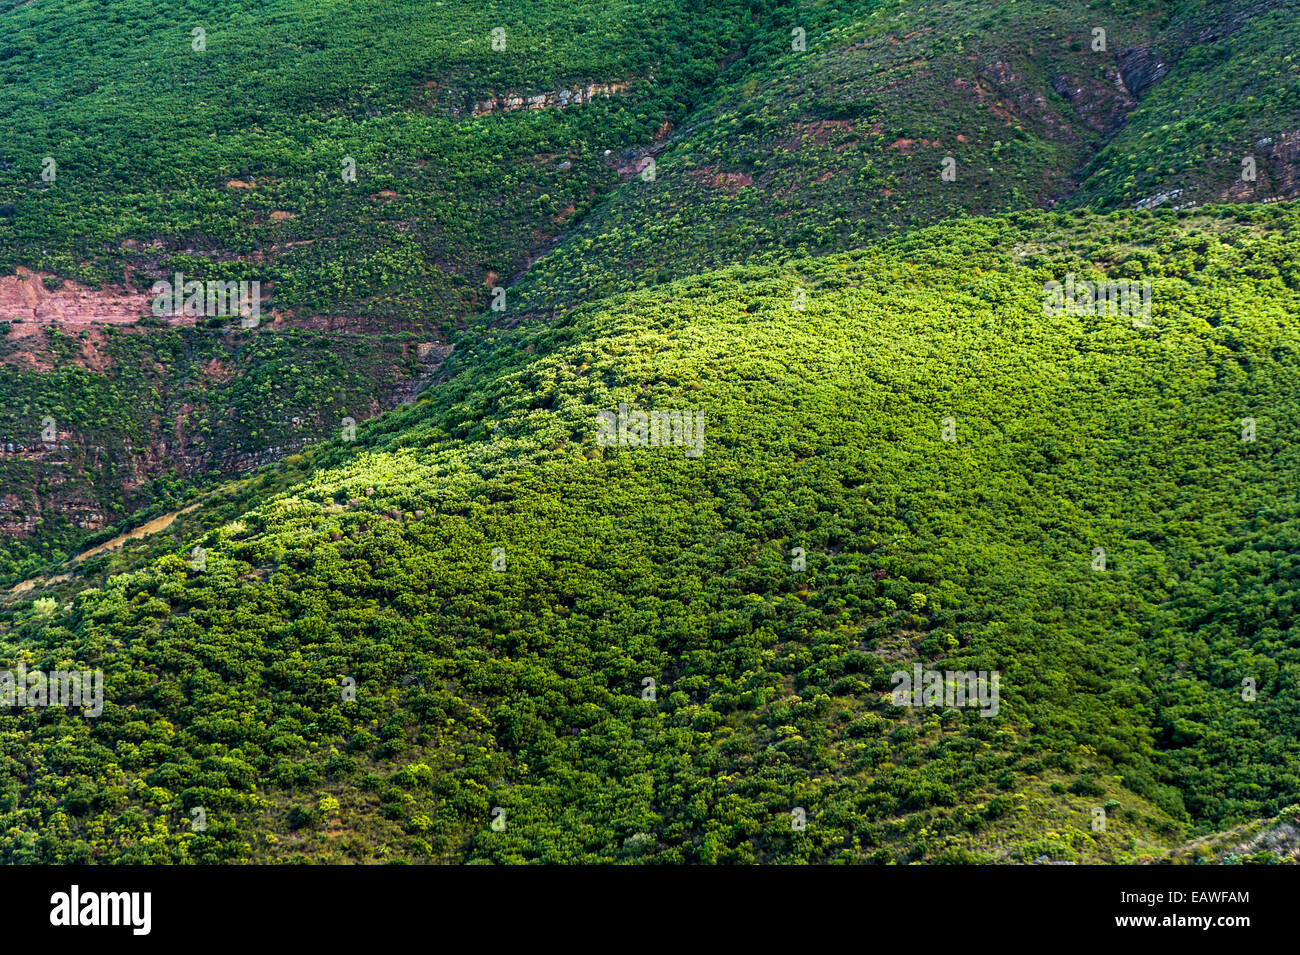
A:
{"x": 776, "y": 129}
{"x": 1227, "y": 101}
{"x": 522, "y": 687}
{"x": 187, "y": 152}
{"x": 395, "y": 575}
{"x": 830, "y": 147}
{"x": 228, "y": 162}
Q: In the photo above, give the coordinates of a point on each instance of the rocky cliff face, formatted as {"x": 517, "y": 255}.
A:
{"x": 1285, "y": 156}
{"x": 1101, "y": 103}
{"x": 34, "y": 297}
{"x": 47, "y": 480}
{"x": 1140, "y": 67}
{"x": 559, "y": 98}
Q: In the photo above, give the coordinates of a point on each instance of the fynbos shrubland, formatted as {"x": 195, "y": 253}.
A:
{"x": 654, "y": 429}
{"x": 947, "y": 688}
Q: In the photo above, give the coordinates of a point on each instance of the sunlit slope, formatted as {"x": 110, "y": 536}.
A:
{"x": 385, "y": 169}
{"x": 497, "y": 587}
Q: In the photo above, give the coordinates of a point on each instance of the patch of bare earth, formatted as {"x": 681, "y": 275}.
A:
{"x": 94, "y": 355}
{"x": 726, "y": 181}
{"x": 821, "y": 130}
{"x": 217, "y": 371}
{"x": 906, "y": 145}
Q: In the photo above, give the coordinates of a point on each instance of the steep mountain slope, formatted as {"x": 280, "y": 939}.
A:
{"x": 827, "y": 147}
{"x": 1223, "y": 125}
{"x": 495, "y": 585}
{"x": 486, "y": 139}
{"x": 327, "y": 151}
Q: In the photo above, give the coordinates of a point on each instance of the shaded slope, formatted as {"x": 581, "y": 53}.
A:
{"x": 825, "y": 149}
{"x": 1232, "y": 97}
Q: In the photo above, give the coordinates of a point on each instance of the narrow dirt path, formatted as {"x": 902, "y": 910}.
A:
{"x": 160, "y": 523}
